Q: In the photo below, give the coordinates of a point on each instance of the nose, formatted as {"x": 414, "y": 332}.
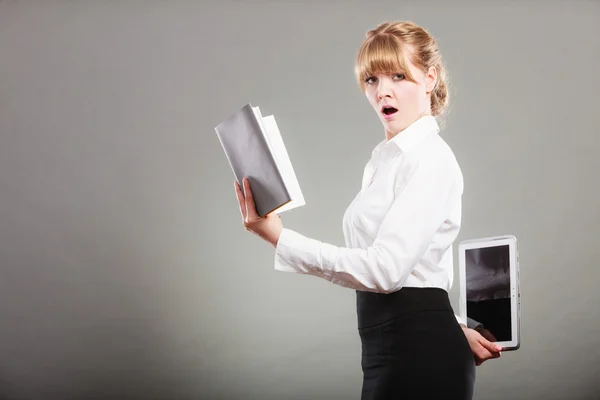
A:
{"x": 383, "y": 88}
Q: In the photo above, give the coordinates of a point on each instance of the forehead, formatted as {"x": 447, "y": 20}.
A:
{"x": 383, "y": 54}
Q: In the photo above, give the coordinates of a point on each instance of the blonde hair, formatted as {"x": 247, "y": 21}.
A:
{"x": 387, "y": 49}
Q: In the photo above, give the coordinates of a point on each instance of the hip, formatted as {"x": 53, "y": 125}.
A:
{"x": 408, "y": 321}
{"x": 413, "y": 346}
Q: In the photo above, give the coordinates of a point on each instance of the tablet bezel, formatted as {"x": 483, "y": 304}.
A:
{"x": 515, "y": 296}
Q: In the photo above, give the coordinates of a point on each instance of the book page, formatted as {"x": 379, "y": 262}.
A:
{"x": 261, "y": 122}
{"x": 284, "y": 164}
{"x": 268, "y": 139}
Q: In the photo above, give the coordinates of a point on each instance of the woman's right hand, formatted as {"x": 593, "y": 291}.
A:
{"x": 482, "y": 348}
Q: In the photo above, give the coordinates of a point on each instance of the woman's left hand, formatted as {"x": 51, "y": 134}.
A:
{"x": 269, "y": 227}
{"x": 481, "y": 348}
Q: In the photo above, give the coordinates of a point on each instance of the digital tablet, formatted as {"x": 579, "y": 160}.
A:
{"x": 489, "y": 288}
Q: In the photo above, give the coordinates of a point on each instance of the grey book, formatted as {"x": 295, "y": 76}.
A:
{"x": 254, "y": 148}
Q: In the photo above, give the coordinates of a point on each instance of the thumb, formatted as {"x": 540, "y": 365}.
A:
{"x": 251, "y": 213}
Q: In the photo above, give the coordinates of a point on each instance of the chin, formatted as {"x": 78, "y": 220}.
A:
{"x": 394, "y": 127}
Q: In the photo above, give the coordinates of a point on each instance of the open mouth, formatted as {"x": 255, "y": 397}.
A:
{"x": 388, "y": 110}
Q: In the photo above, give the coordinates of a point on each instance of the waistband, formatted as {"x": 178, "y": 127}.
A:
{"x": 375, "y": 308}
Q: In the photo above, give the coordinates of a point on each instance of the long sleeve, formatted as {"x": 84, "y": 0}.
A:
{"x": 422, "y": 203}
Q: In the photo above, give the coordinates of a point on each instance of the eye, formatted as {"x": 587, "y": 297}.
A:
{"x": 370, "y": 80}
{"x": 399, "y": 77}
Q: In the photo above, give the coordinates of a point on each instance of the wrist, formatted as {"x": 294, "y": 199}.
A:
{"x": 275, "y": 239}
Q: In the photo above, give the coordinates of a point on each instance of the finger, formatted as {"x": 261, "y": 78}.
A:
{"x": 241, "y": 200}
{"x": 491, "y": 354}
{"x": 490, "y": 346}
{"x": 251, "y": 213}
{"x": 482, "y": 353}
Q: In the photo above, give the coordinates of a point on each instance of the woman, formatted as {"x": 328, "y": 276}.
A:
{"x": 399, "y": 230}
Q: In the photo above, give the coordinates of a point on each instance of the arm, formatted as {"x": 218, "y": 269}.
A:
{"x": 423, "y": 202}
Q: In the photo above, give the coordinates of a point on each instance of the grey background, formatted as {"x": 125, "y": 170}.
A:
{"x": 125, "y": 270}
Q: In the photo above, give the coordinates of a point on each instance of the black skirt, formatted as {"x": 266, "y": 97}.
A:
{"x": 413, "y": 347}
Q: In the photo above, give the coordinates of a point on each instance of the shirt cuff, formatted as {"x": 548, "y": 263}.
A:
{"x": 297, "y": 253}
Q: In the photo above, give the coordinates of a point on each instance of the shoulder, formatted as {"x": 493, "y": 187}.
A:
{"x": 438, "y": 154}
{"x": 436, "y": 147}
{"x": 434, "y": 160}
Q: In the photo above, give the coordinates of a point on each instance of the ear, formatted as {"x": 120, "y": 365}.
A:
{"x": 430, "y": 79}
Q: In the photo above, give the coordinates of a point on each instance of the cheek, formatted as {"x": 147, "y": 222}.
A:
{"x": 411, "y": 95}
{"x": 370, "y": 96}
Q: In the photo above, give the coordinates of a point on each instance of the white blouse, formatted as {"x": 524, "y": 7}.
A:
{"x": 400, "y": 227}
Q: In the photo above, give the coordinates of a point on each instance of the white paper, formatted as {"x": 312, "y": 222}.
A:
{"x": 284, "y": 163}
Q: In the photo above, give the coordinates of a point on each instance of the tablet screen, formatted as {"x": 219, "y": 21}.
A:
{"x": 487, "y": 273}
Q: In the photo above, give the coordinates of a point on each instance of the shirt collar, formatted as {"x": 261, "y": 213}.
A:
{"x": 413, "y": 135}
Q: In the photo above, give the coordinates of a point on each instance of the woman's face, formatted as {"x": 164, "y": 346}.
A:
{"x": 399, "y": 102}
